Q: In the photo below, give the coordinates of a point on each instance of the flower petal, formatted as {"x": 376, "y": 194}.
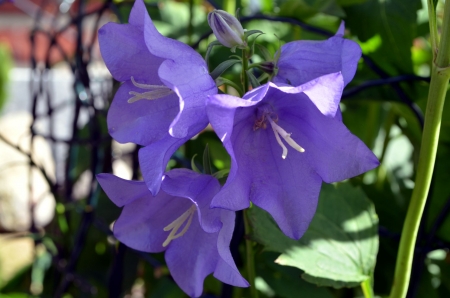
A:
{"x": 153, "y": 160}
{"x": 226, "y": 270}
{"x": 198, "y": 188}
{"x": 191, "y": 82}
{"x": 141, "y": 223}
{"x": 302, "y": 61}
{"x": 332, "y": 150}
{"x": 191, "y": 258}
{"x": 325, "y": 92}
{"x": 141, "y": 122}
{"x": 125, "y": 54}
{"x": 121, "y": 191}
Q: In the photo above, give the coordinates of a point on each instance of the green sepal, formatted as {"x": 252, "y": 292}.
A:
{"x": 265, "y": 53}
{"x": 253, "y": 44}
{"x": 207, "y": 161}
{"x": 193, "y": 166}
{"x": 263, "y": 77}
{"x": 251, "y": 32}
{"x": 222, "y": 67}
{"x": 222, "y": 81}
{"x": 208, "y": 50}
{"x": 253, "y": 80}
{"x": 221, "y": 174}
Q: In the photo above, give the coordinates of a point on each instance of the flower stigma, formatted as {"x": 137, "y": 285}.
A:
{"x": 278, "y": 131}
{"x": 174, "y": 226}
{"x": 156, "y": 91}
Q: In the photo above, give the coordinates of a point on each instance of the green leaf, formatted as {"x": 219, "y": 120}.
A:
{"x": 339, "y": 248}
{"x": 222, "y": 67}
{"x": 264, "y": 52}
{"x": 395, "y": 22}
{"x": 207, "y": 161}
{"x": 286, "y": 281}
{"x": 209, "y": 49}
{"x": 251, "y": 32}
{"x": 303, "y": 9}
{"x": 223, "y": 81}
{"x": 253, "y": 80}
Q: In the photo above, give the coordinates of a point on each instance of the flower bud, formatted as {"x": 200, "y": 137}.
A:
{"x": 227, "y": 29}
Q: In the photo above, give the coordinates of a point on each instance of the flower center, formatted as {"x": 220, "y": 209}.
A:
{"x": 278, "y": 131}
{"x": 174, "y": 226}
{"x": 156, "y": 91}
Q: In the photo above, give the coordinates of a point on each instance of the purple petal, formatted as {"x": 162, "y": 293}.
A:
{"x": 325, "y": 92}
{"x": 221, "y": 111}
{"x": 192, "y": 83}
{"x": 141, "y": 122}
{"x": 186, "y": 73}
{"x": 191, "y": 258}
{"x": 153, "y": 160}
{"x": 125, "y": 54}
{"x": 138, "y": 14}
{"x": 226, "y": 270}
{"x": 141, "y": 223}
{"x": 303, "y": 61}
{"x": 121, "y": 191}
{"x": 288, "y": 189}
{"x": 198, "y": 188}
{"x": 332, "y": 150}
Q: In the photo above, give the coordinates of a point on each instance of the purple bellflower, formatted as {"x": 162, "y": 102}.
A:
{"x": 283, "y": 142}
{"x": 305, "y": 60}
{"x": 161, "y": 103}
{"x": 180, "y": 222}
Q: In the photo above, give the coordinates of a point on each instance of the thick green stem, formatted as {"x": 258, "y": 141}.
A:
{"x": 250, "y": 258}
{"x": 436, "y": 98}
{"x": 244, "y": 76}
{"x": 366, "y": 287}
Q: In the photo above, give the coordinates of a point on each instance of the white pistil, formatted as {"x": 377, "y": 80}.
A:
{"x": 157, "y": 91}
{"x": 177, "y": 223}
{"x": 278, "y": 131}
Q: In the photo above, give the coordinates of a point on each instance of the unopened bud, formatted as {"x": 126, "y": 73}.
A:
{"x": 267, "y": 67}
{"x": 227, "y": 29}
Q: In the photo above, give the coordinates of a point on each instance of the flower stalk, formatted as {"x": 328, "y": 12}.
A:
{"x": 250, "y": 257}
{"x": 245, "y": 67}
{"x": 436, "y": 97}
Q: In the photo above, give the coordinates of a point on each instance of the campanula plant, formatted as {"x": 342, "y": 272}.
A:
{"x": 280, "y": 123}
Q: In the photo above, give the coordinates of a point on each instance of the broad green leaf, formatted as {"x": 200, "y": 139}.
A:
{"x": 395, "y": 22}
{"x": 341, "y": 244}
{"x": 286, "y": 281}
{"x": 303, "y": 9}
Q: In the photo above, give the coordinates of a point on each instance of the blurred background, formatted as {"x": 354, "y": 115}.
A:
{"x": 55, "y": 236}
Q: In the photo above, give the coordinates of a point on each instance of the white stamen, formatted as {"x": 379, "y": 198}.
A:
{"x": 157, "y": 91}
{"x": 147, "y": 86}
{"x": 278, "y": 131}
{"x": 177, "y": 223}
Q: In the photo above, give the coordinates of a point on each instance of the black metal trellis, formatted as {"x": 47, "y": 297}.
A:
{"x": 100, "y": 144}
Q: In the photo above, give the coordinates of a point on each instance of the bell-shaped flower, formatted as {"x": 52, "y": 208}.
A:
{"x": 227, "y": 29}
{"x": 179, "y": 221}
{"x": 161, "y": 102}
{"x": 305, "y": 60}
{"x": 283, "y": 142}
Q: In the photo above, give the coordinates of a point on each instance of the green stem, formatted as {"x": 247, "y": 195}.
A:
{"x": 250, "y": 258}
{"x": 366, "y": 287}
{"x": 229, "y": 6}
{"x": 244, "y": 76}
{"x": 436, "y": 98}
